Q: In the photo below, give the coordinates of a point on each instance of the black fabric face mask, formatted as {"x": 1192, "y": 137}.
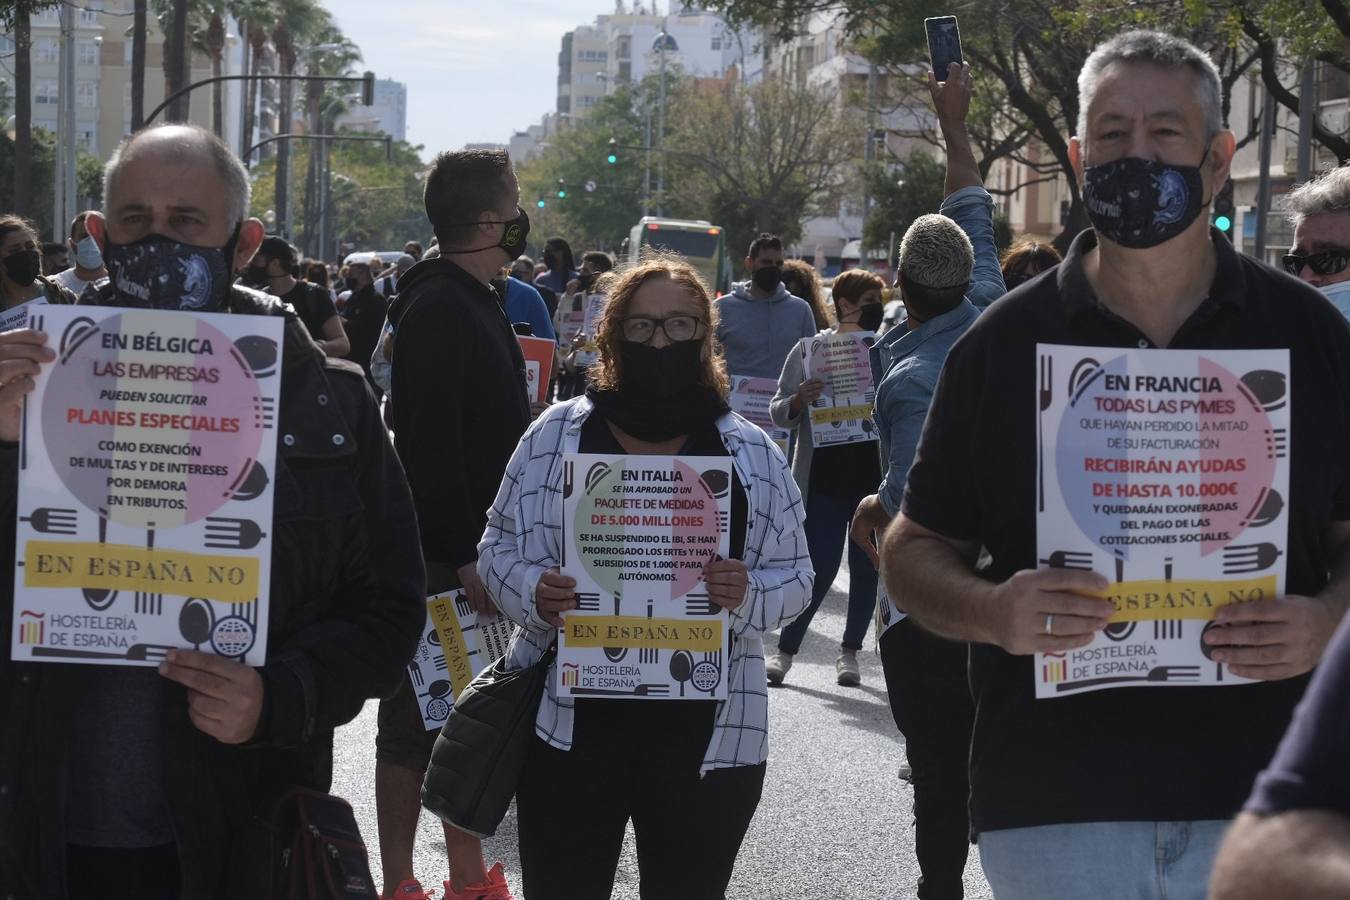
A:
{"x": 352, "y": 283}
{"x": 1141, "y": 203}
{"x": 870, "y": 315}
{"x": 659, "y": 395}
{"x": 23, "y": 267}
{"x": 255, "y": 276}
{"x": 513, "y": 235}
{"x": 585, "y": 280}
{"x": 768, "y": 278}
{"x": 157, "y": 272}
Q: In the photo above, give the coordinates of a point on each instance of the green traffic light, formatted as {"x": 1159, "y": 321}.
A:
{"x": 562, "y": 195}
{"x": 541, "y": 203}
{"x": 1223, "y": 223}
{"x": 612, "y": 159}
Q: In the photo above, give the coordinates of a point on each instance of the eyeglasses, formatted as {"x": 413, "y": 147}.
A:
{"x": 678, "y": 329}
{"x": 1326, "y": 262}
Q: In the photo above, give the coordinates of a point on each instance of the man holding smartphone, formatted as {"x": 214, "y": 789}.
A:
{"x": 1126, "y": 791}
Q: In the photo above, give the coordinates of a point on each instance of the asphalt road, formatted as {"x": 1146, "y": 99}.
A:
{"x": 835, "y": 823}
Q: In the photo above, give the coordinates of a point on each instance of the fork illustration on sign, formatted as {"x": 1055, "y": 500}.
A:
{"x": 149, "y": 604}
{"x": 649, "y": 656}
{"x": 1155, "y": 674}
{"x": 232, "y": 534}
{"x": 1249, "y": 558}
{"x": 700, "y": 605}
{"x": 588, "y": 602}
{"x": 52, "y": 521}
{"x": 1047, "y": 395}
{"x": 1069, "y": 559}
{"x": 642, "y": 690}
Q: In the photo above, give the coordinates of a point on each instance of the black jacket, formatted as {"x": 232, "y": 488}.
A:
{"x": 460, "y": 404}
{"x": 363, "y": 318}
{"x": 347, "y": 607}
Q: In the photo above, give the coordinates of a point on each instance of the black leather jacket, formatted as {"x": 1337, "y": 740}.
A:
{"x": 347, "y": 607}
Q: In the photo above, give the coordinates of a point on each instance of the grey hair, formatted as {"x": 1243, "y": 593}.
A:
{"x": 1328, "y": 192}
{"x": 188, "y": 143}
{"x": 1161, "y": 49}
{"x": 936, "y": 253}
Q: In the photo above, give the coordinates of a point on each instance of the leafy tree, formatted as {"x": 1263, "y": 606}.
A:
{"x": 88, "y": 177}
{"x": 901, "y": 194}
{"x": 15, "y": 17}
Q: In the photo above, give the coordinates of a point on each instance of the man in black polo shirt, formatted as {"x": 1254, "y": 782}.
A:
{"x": 460, "y": 408}
{"x": 273, "y": 270}
{"x": 1121, "y": 792}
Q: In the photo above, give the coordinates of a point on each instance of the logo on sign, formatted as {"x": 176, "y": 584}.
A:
{"x": 32, "y": 632}
{"x": 571, "y": 675}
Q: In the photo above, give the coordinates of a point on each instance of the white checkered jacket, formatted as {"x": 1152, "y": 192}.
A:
{"x": 522, "y": 542}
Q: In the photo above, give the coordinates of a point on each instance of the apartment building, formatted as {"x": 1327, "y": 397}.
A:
{"x": 387, "y": 115}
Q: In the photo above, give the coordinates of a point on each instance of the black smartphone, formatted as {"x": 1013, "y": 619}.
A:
{"x": 944, "y": 44}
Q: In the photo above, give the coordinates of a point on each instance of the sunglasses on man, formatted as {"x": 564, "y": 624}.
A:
{"x": 1324, "y": 262}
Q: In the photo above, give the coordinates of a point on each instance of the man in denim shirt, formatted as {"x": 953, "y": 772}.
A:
{"x": 949, "y": 271}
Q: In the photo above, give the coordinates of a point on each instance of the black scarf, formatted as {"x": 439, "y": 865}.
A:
{"x": 685, "y": 412}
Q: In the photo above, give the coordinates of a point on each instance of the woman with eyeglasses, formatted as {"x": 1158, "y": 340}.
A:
{"x": 688, "y": 773}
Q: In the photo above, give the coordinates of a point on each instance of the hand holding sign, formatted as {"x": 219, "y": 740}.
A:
{"x": 21, "y": 354}
{"x": 553, "y": 595}
{"x": 727, "y": 580}
{"x": 225, "y": 697}
{"x": 1271, "y": 639}
{"x": 1023, "y": 605}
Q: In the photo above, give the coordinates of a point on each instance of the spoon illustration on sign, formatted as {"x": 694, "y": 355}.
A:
{"x": 681, "y": 667}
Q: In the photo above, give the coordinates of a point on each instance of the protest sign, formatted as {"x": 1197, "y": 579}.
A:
{"x": 457, "y": 643}
{"x": 538, "y": 354}
{"x": 750, "y": 397}
{"x": 1167, "y": 471}
{"x": 587, "y": 352}
{"x": 146, "y": 467}
{"x": 17, "y": 316}
{"x": 843, "y": 412}
{"x": 637, "y": 532}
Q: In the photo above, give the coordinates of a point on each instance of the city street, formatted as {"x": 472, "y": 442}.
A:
{"x": 835, "y": 822}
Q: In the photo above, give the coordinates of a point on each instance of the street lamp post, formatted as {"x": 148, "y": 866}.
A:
{"x": 663, "y": 43}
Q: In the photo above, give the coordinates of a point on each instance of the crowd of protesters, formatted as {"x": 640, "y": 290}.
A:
{"x": 415, "y": 462}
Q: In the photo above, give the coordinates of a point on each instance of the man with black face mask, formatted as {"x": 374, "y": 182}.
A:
{"x": 363, "y": 316}
{"x": 460, "y": 407}
{"x": 1125, "y": 792}
{"x": 133, "y": 781}
{"x": 759, "y": 322}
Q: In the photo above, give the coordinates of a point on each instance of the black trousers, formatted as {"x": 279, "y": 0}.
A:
{"x": 639, "y": 760}
{"x": 930, "y": 699}
{"x": 105, "y": 873}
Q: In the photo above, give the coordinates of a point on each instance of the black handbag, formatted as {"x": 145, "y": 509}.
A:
{"x": 301, "y": 845}
{"x": 476, "y": 762}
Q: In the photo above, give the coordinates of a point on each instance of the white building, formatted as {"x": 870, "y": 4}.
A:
{"x": 387, "y": 115}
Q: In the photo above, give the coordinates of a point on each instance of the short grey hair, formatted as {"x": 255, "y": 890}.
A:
{"x": 936, "y": 253}
{"x": 188, "y": 141}
{"x": 1161, "y": 49}
{"x": 1327, "y": 193}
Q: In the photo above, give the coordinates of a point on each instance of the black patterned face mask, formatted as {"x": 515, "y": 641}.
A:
{"x": 157, "y": 272}
{"x": 1140, "y": 203}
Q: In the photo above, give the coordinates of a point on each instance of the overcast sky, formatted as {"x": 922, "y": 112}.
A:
{"x": 476, "y": 70}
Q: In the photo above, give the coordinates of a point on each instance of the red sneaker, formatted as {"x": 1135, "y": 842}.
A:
{"x": 411, "y": 889}
{"x": 495, "y": 888}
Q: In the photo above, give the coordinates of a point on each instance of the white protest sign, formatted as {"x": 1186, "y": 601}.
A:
{"x": 843, "y": 413}
{"x": 750, "y": 398}
{"x": 457, "y": 643}
{"x": 146, "y": 467}
{"x": 1167, "y": 471}
{"x": 638, "y": 531}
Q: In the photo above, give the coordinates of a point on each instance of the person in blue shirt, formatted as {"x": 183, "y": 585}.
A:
{"x": 525, "y": 304}
{"x": 562, "y": 266}
{"x": 948, "y": 272}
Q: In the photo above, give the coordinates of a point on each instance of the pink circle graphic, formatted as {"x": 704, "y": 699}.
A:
{"x": 152, "y": 425}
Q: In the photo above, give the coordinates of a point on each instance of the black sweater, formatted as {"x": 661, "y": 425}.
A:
{"x": 460, "y": 404}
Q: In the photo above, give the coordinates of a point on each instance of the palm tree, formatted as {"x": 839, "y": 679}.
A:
{"x": 336, "y": 58}
{"x": 256, "y": 19}
{"x": 176, "y": 62}
{"x": 215, "y": 46}
{"x": 15, "y": 17}
{"x": 296, "y": 21}
{"x": 138, "y": 64}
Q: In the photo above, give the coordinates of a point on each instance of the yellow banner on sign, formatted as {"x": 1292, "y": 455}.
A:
{"x": 1142, "y": 601}
{"x": 841, "y": 413}
{"x": 453, "y": 646}
{"x": 641, "y": 633}
{"x": 117, "y": 567}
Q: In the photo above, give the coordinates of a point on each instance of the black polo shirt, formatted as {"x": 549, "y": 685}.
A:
{"x": 1179, "y": 753}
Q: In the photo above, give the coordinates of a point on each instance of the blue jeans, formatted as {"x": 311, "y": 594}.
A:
{"x": 827, "y": 520}
{"x": 1103, "y": 860}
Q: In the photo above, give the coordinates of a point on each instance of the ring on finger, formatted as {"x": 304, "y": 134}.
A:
{"x": 1050, "y": 623}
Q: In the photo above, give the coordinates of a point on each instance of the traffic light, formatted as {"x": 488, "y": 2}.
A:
{"x": 368, "y": 89}
{"x": 1224, "y": 209}
{"x": 541, "y": 203}
{"x": 562, "y": 189}
{"x": 613, "y": 152}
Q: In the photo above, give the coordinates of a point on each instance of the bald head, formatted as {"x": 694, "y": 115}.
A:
{"x": 178, "y": 147}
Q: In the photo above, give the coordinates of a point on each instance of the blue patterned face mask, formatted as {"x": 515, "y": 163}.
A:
{"x": 1140, "y": 203}
{"x": 157, "y": 272}
{"x": 1339, "y": 295}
